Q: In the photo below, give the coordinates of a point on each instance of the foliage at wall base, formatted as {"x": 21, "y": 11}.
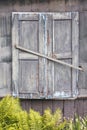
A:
{"x": 12, "y": 117}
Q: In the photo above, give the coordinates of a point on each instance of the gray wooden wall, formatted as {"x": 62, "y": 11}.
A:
{"x": 69, "y": 107}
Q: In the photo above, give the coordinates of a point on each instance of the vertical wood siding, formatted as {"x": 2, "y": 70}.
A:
{"x": 68, "y": 107}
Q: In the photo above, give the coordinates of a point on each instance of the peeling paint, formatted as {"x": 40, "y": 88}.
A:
{"x": 61, "y": 94}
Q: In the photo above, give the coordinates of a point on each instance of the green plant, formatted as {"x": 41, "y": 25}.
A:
{"x": 12, "y": 117}
{"x": 53, "y": 121}
{"x": 35, "y": 120}
{"x": 78, "y": 124}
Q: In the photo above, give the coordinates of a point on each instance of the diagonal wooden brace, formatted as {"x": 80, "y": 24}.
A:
{"x": 49, "y": 58}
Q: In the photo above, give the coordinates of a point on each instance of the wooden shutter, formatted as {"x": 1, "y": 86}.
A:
{"x": 54, "y": 35}
{"x": 28, "y": 70}
{"x": 65, "y": 48}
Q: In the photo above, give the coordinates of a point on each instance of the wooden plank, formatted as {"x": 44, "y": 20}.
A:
{"x": 31, "y": 95}
{"x": 50, "y": 70}
{"x": 8, "y": 24}
{"x": 37, "y": 105}
{"x": 42, "y": 50}
{"x": 47, "y": 104}
{"x": 62, "y": 36}
{"x": 80, "y": 107}
{"x": 85, "y": 106}
{"x": 62, "y": 81}
{"x": 21, "y": 6}
{"x": 58, "y": 104}
{"x": 82, "y": 81}
{"x": 69, "y": 109}
{"x": 15, "y": 64}
{"x": 5, "y": 79}
{"x": 28, "y": 77}
{"x": 82, "y": 93}
{"x": 76, "y": 106}
{"x": 64, "y": 16}
{"x": 5, "y": 49}
{"x": 66, "y": 55}
{"x": 26, "y": 104}
{"x": 72, "y": 5}
{"x": 2, "y": 25}
{"x": 5, "y": 24}
{"x": 5, "y": 41}
{"x": 83, "y": 38}
{"x": 29, "y": 34}
{"x": 5, "y": 54}
{"x": 75, "y": 51}
{"x": 28, "y": 17}
{"x": 56, "y": 5}
{"x": 23, "y": 56}
{"x": 39, "y": 6}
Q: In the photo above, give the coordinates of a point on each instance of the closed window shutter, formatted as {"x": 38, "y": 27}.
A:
{"x": 29, "y": 71}
{"x": 51, "y": 34}
{"x": 65, "y": 48}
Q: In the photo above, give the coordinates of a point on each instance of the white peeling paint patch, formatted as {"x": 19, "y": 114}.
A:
{"x": 61, "y": 94}
{"x": 14, "y": 94}
{"x": 75, "y": 93}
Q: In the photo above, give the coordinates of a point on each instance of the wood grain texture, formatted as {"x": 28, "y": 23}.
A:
{"x": 50, "y": 69}
{"x": 56, "y": 5}
{"x": 47, "y": 105}
{"x": 64, "y": 55}
{"x": 37, "y": 105}
{"x": 15, "y": 64}
{"x": 5, "y": 79}
{"x": 28, "y": 77}
{"x": 28, "y": 17}
{"x": 75, "y": 51}
{"x": 29, "y": 33}
{"x": 62, "y": 45}
{"x": 62, "y": 36}
{"x": 26, "y": 104}
{"x": 46, "y": 5}
{"x": 40, "y": 6}
{"x": 85, "y": 107}
{"x": 27, "y": 68}
{"x": 58, "y": 104}
{"x": 62, "y": 80}
{"x": 69, "y": 109}
{"x": 5, "y": 37}
{"x": 5, "y": 54}
{"x": 79, "y": 104}
{"x": 42, "y": 50}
